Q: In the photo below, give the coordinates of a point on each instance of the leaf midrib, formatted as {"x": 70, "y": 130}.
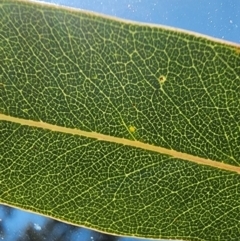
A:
{"x": 123, "y": 141}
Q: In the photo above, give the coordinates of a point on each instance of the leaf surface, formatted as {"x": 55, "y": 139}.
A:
{"x": 122, "y": 127}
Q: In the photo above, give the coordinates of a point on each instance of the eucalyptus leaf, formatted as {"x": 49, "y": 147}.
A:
{"x": 126, "y": 128}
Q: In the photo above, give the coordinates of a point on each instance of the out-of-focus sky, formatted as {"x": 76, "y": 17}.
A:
{"x": 217, "y": 18}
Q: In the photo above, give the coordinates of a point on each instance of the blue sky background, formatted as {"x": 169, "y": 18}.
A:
{"x": 220, "y": 19}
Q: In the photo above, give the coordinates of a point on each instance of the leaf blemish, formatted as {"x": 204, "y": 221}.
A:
{"x": 162, "y": 79}
{"x": 132, "y": 129}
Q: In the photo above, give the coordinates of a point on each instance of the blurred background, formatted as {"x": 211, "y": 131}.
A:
{"x": 216, "y": 18}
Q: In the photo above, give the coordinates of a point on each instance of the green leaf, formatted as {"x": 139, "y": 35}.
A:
{"x": 121, "y": 127}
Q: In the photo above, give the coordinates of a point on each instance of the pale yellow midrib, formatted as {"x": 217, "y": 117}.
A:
{"x": 123, "y": 141}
